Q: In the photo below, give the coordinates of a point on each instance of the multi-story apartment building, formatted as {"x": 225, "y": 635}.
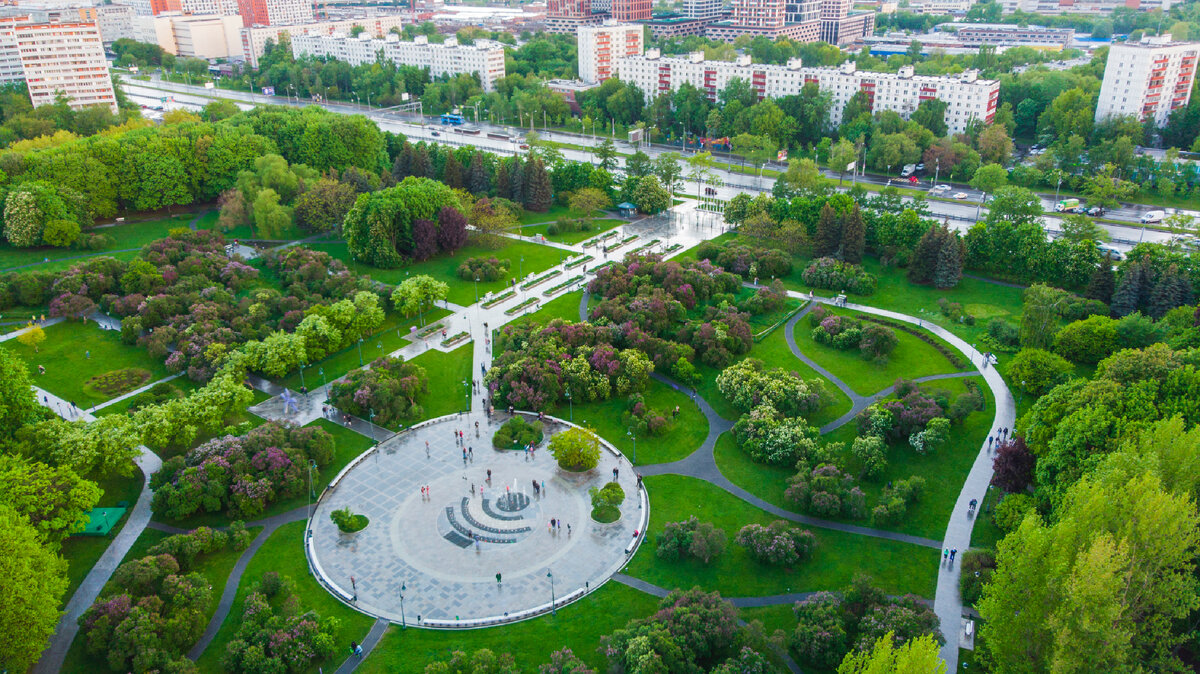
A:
{"x": 799, "y": 20}
{"x": 275, "y": 12}
{"x": 206, "y": 36}
{"x": 67, "y": 59}
{"x": 484, "y": 58}
{"x": 600, "y": 46}
{"x": 11, "y": 69}
{"x": 1093, "y": 7}
{"x": 1147, "y": 79}
{"x": 114, "y": 22}
{"x": 702, "y": 9}
{"x": 1006, "y": 35}
{"x": 630, "y": 10}
{"x": 222, "y": 7}
{"x": 967, "y": 97}
{"x": 254, "y": 40}
{"x": 565, "y": 16}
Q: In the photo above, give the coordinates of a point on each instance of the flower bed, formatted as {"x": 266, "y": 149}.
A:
{"x": 455, "y": 339}
{"x": 578, "y": 261}
{"x": 673, "y": 247}
{"x": 639, "y": 249}
{"x": 429, "y": 330}
{"x": 499, "y": 298}
{"x": 622, "y": 242}
{"x": 950, "y": 353}
{"x": 541, "y": 279}
{"x": 520, "y": 307}
{"x": 604, "y": 266}
{"x": 600, "y": 239}
{"x": 558, "y": 288}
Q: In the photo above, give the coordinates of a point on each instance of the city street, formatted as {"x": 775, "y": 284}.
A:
{"x": 962, "y": 214}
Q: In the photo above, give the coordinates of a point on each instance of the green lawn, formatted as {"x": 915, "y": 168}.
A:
{"x": 912, "y": 358}
{"x": 127, "y": 235}
{"x": 215, "y": 568}
{"x": 283, "y": 553}
{"x": 943, "y": 470}
{"x": 444, "y": 268}
{"x": 896, "y": 567}
{"x": 578, "y": 626}
{"x": 446, "y": 371}
{"x": 773, "y": 351}
{"x": 181, "y": 384}
{"x": 565, "y": 307}
{"x": 555, "y": 212}
{"x": 385, "y": 340}
{"x": 244, "y": 232}
{"x": 986, "y": 534}
{"x": 599, "y": 226}
{"x": 687, "y": 432}
{"x": 74, "y": 352}
{"x": 82, "y": 552}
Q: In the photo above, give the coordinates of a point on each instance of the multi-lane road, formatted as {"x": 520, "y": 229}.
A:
{"x": 961, "y": 213}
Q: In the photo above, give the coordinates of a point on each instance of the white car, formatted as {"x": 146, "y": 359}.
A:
{"x": 1153, "y": 216}
{"x": 942, "y": 188}
{"x": 960, "y": 195}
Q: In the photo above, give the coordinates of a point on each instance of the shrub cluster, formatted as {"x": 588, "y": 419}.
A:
{"x": 691, "y": 538}
{"x": 831, "y": 274}
{"x": 348, "y": 521}
{"x": 955, "y": 312}
{"x": 240, "y": 475}
{"x": 951, "y": 355}
{"x": 778, "y": 544}
{"x": 826, "y": 491}
{"x": 275, "y": 635}
{"x": 517, "y": 433}
{"x": 897, "y": 419}
{"x": 748, "y": 384}
{"x": 875, "y": 342}
{"x": 749, "y": 262}
{"x": 769, "y": 437}
{"x": 1005, "y": 333}
{"x": 484, "y": 269}
{"x": 390, "y": 389}
{"x": 896, "y": 498}
{"x": 565, "y": 225}
{"x": 645, "y": 420}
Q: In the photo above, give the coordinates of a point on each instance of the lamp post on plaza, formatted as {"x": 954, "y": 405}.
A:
{"x": 467, "y": 388}
{"x": 302, "y": 385}
{"x": 553, "y": 608}
{"x": 360, "y": 358}
{"x": 403, "y": 622}
{"x": 632, "y": 436}
{"x": 571, "y": 403}
{"x": 477, "y": 287}
{"x": 323, "y": 382}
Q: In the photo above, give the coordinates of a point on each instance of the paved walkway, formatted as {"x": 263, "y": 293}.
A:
{"x": 368, "y": 644}
{"x": 140, "y": 389}
{"x": 68, "y": 625}
{"x": 17, "y": 333}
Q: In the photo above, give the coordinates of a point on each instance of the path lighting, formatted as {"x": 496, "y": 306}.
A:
{"x": 553, "y": 608}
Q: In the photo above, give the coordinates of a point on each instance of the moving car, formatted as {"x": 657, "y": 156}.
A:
{"x": 960, "y": 195}
{"x": 1116, "y": 255}
{"x": 434, "y": 133}
{"x": 942, "y": 188}
{"x": 1095, "y": 211}
{"x": 1152, "y": 216}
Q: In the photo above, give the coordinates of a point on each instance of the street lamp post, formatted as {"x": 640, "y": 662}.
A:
{"x": 522, "y": 266}
{"x": 360, "y": 358}
{"x": 302, "y": 384}
{"x": 310, "y": 487}
{"x": 937, "y": 168}
{"x": 323, "y": 382}
{"x": 403, "y": 622}
{"x": 632, "y": 436}
{"x": 467, "y": 388}
{"x": 477, "y": 287}
{"x": 553, "y": 601}
{"x": 571, "y": 403}
{"x": 371, "y": 418}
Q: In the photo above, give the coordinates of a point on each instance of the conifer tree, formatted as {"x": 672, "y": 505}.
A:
{"x": 1129, "y": 290}
{"x": 516, "y": 192}
{"x": 1103, "y": 281}
{"x": 854, "y": 237}
{"x": 477, "y": 178}
{"x": 503, "y": 180}
{"x": 829, "y": 233}
{"x": 420, "y": 163}
{"x": 924, "y": 257}
{"x": 948, "y": 270}
{"x": 538, "y": 192}
{"x": 1171, "y": 291}
{"x": 452, "y": 174}
{"x": 402, "y": 167}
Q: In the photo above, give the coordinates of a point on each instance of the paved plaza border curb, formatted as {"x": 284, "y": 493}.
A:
{"x": 314, "y": 566}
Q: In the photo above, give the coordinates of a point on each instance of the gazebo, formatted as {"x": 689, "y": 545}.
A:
{"x": 627, "y": 209}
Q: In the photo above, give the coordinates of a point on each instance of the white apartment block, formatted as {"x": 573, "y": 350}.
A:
{"x": 222, "y": 7}
{"x": 66, "y": 58}
{"x": 1147, "y": 79}
{"x": 967, "y": 97}
{"x": 1092, "y": 7}
{"x": 254, "y": 40}
{"x": 114, "y": 22}
{"x": 702, "y": 9}
{"x": 600, "y": 46}
{"x": 11, "y": 69}
{"x": 206, "y": 36}
{"x": 484, "y": 58}
{"x": 275, "y": 12}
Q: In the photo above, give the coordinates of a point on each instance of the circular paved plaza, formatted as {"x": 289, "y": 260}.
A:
{"x": 446, "y": 547}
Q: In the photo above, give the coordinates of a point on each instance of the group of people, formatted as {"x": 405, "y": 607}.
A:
{"x": 555, "y": 525}
{"x": 1000, "y": 436}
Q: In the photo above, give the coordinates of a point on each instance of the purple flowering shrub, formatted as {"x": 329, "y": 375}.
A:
{"x": 275, "y": 635}
{"x": 826, "y": 491}
{"x": 240, "y": 475}
{"x": 390, "y": 389}
{"x": 777, "y": 544}
{"x": 894, "y": 420}
{"x": 645, "y": 420}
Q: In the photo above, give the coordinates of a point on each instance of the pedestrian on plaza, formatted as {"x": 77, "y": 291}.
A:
{"x": 489, "y": 476}
{"x": 568, "y": 529}
{"x": 536, "y": 489}
{"x": 953, "y": 552}
{"x": 87, "y": 354}
{"x": 989, "y": 443}
{"x": 354, "y": 648}
{"x": 616, "y": 472}
{"x": 471, "y": 453}
{"x": 472, "y": 489}
{"x": 945, "y": 555}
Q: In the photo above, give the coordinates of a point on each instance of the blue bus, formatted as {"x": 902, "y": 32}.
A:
{"x": 452, "y": 119}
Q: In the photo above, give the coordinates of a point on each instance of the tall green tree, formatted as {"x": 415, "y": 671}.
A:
{"x": 931, "y": 114}
{"x": 949, "y": 262}
{"x": 841, "y": 156}
{"x": 35, "y": 579}
{"x": 854, "y": 237}
{"x": 1103, "y": 281}
{"x": 829, "y": 232}
{"x": 538, "y": 193}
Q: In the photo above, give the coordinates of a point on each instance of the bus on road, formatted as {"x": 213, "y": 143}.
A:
{"x": 452, "y": 119}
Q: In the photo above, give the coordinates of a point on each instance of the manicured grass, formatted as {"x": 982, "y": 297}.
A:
{"x": 82, "y": 552}
{"x": 564, "y": 306}
{"x": 446, "y": 371}
{"x": 986, "y": 534}
{"x": 127, "y": 235}
{"x": 65, "y": 353}
{"x": 182, "y": 384}
{"x": 896, "y": 567}
{"x": 773, "y": 351}
{"x": 943, "y": 470}
{"x": 687, "y": 432}
{"x": 599, "y": 226}
{"x": 215, "y": 567}
{"x": 912, "y": 358}
{"x": 283, "y": 553}
{"x": 578, "y": 626}
{"x": 777, "y": 617}
{"x": 445, "y": 267}
{"x": 385, "y": 340}
{"x": 555, "y": 212}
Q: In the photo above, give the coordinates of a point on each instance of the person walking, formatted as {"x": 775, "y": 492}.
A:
{"x": 945, "y": 555}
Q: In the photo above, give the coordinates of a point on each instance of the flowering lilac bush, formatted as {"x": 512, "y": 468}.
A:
{"x": 826, "y": 491}
{"x": 832, "y": 274}
{"x": 275, "y": 635}
{"x": 390, "y": 389}
{"x": 778, "y": 543}
{"x": 240, "y": 475}
{"x": 894, "y": 419}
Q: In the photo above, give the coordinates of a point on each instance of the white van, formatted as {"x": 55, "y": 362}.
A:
{"x": 1152, "y": 216}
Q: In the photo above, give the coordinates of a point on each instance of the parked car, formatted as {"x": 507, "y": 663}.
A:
{"x": 913, "y": 180}
{"x": 524, "y": 146}
{"x": 960, "y": 195}
{"x": 1152, "y": 216}
{"x": 435, "y": 133}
